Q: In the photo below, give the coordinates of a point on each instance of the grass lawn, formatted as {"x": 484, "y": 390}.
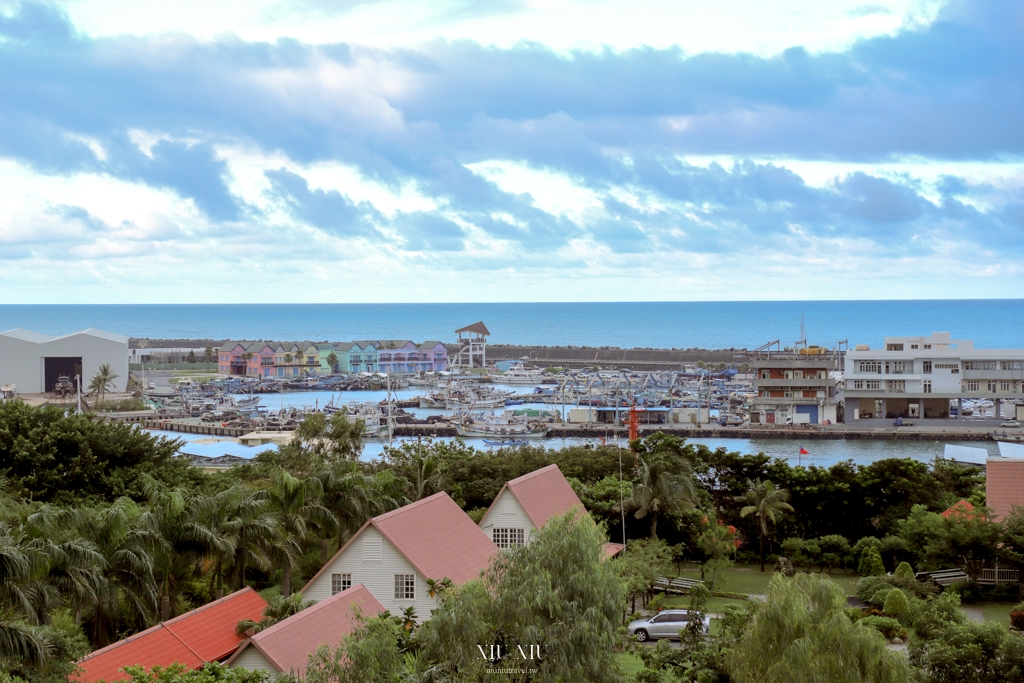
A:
{"x": 998, "y": 611}
{"x": 630, "y": 662}
{"x": 748, "y": 579}
{"x": 272, "y": 592}
{"x": 715, "y": 605}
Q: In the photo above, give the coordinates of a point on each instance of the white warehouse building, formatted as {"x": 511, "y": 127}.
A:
{"x": 33, "y": 361}
{"x": 917, "y": 377}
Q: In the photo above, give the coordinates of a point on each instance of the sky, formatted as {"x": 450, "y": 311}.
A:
{"x": 510, "y": 150}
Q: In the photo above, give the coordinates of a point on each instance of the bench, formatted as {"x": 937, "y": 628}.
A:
{"x": 677, "y": 585}
{"x": 944, "y": 577}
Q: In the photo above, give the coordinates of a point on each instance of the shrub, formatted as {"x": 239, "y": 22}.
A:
{"x": 887, "y": 626}
{"x": 904, "y": 571}
{"x": 896, "y": 603}
{"x": 870, "y": 563}
{"x": 873, "y": 589}
{"x": 937, "y": 614}
{"x": 1017, "y": 617}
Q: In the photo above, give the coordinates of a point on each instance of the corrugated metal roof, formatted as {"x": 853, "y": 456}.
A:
{"x": 205, "y": 634}
{"x": 289, "y": 643}
{"x": 93, "y": 332}
{"x": 215, "y": 450}
{"x": 27, "y": 335}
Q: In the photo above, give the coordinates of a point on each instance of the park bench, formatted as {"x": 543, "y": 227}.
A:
{"x": 944, "y": 577}
{"x": 677, "y": 585}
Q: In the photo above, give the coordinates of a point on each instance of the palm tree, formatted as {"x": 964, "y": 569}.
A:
{"x": 298, "y": 504}
{"x": 247, "y": 356}
{"x": 277, "y": 609}
{"x": 20, "y": 641}
{"x": 332, "y": 360}
{"x": 765, "y": 502}
{"x": 248, "y": 531}
{"x": 665, "y": 484}
{"x": 208, "y": 352}
{"x": 102, "y": 380}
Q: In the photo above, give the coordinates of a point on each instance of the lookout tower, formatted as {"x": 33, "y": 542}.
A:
{"x": 472, "y": 351}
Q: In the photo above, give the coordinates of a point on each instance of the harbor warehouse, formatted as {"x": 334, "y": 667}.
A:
{"x": 33, "y": 361}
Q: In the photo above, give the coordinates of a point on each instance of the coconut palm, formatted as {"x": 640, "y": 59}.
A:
{"x": 298, "y": 505}
{"x": 767, "y": 503}
{"x": 20, "y": 641}
{"x": 665, "y": 484}
{"x": 102, "y": 380}
{"x": 248, "y": 530}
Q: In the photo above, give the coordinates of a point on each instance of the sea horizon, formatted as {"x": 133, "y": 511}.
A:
{"x": 990, "y": 323}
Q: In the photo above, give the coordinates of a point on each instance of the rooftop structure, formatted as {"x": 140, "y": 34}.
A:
{"x": 206, "y": 634}
{"x": 916, "y": 377}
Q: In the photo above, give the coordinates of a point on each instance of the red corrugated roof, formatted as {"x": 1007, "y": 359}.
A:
{"x": 205, "y": 634}
{"x": 438, "y": 538}
{"x": 289, "y": 643}
{"x": 1004, "y": 485}
{"x": 544, "y": 493}
{"x": 963, "y": 508}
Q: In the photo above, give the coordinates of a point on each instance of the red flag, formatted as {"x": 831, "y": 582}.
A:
{"x": 804, "y": 451}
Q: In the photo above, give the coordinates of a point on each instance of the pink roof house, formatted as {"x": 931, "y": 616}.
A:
{"x": 285, "y": 647}
{"x": 394, "y": 554}
{"x": 1004, "y": 485}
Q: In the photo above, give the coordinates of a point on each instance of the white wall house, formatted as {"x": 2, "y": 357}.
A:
{"x": 33, "y": 361}
{"x": 394, "y": 554}
{"x": 917, "y": 377}
{"x": 526, "y": 503}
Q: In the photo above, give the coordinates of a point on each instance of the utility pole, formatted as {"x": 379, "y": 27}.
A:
{"x": 78, "y": 380}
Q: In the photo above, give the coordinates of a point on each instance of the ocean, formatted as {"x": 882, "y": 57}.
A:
{"x": 991, "y": 323}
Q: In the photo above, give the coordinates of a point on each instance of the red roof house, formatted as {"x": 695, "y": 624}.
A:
{"x": 1004, "y": 485}
{"x": 206, "y": 634}
{"x": 527, "y": 503}
{"x": 962, "y": 508}
{"x": 394, "y": 554}
{"x": 286, "y": 646}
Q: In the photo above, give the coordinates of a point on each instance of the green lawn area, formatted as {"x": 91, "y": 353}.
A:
{"x": 272, "y": 592}
{"x": 715, "y": 605}
{"x": 630, "y": 662}
{"x": 997, "y": 611}
{"x": 748, "y": 579}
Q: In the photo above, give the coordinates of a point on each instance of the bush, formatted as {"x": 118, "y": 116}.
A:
{"x": 1017, "y": 617}
{"x": 870, "y": 563}
{"x": 896, "y": 603}
{"x": 937, "y": 614}
{"x": 904, "y": 571}
{"x": 887, "y": 626}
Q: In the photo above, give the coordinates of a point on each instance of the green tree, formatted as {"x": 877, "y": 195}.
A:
{"x": 664, "y": 485}
{"x": 192, "y": 356}
{"x": 208, "y": 673}
{"x": 896, "y": 603}
{"x": 871, "y": 562}
{"x": 768, "y": 504}
{"x": 103, "y": 379}
{"x": 639, "y": 565}
{"x": 718, "y": 543}
{"x": 801, "y": 634}
{"x": 332, "y": 360}
{"x": 298, "y": 504}
{"x": 278, "y": 609}
{"x": 904, "y": 571}
{"x": 971, "y": 541}
{"x": 208, "y": 354}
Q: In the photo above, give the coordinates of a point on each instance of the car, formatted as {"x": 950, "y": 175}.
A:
{"x": 152, "y": 385}
{"x": 665, "y": 624}
{"x": 1010, "y": 423}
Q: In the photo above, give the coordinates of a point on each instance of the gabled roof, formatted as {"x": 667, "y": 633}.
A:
{"x": 93, "y": 332}
{"x": 543, "y": 494}
{"x": 435, "y": 536}
{"x": 27, "y": 335}
{"x": 206, "y": 634}
{"x": 288, "y": 644}
{"x": 344, "y": 346}
{"x": 963, "y": 508}
{"x": 477, "y": 327}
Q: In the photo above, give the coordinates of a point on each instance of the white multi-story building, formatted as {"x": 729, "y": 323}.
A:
{"x": 917, "y": 377}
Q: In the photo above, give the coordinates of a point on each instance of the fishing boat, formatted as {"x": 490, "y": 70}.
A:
{"x": 506, "y": 442}
{"x": 486, "y": 430}
{"x": 518, "y": 374}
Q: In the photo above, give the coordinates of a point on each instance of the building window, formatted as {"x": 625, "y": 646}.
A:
{"x": 898, "y": 367}
{"x": 405, "y": 586}
{"x": 858, "y": 384}
{"x": 991, "y": 386}
{"x": 788, "y": 374}
{"x": 798, "y": 374}
{"x": 972, "y": 385}
{"x": 869, "y": 366}
{"x": 1004, "y": 386}
{"x": 872, "y": 384}
{"x": 505, "y": 538}
{"x": 897, "y": 386}
{"x": 787, "y": 394}
{"x": 765, "y": 393}
{"x": 979, "y": 365}
{"x": 766, "y": 374}
{"x": 927, "y": 386}
{"x": 927, "y": 346}
{"x": 913, "y": 346}
{"x": 821, "y": 374}
{"x": 926, "y": 367}
{"x": 340, "y": 582}
{"x": 1012, "y": 365}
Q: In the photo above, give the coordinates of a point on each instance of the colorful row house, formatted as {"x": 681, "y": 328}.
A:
{"x": 295, "y": 359}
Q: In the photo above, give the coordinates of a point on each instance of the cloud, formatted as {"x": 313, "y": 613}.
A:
{"x": 328, "y": 210}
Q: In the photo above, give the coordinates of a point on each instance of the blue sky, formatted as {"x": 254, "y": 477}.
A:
{"x": 383, "y": 150}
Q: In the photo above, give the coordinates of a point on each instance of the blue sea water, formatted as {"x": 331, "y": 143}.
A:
{"x": 991, "y": 323}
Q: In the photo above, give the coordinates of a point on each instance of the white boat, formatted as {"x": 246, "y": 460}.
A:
{"x": 492, "y": 431}
{"x": 518, "y": 374}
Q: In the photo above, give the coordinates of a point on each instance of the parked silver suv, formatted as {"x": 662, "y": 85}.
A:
{"x": 665, "y": 624}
